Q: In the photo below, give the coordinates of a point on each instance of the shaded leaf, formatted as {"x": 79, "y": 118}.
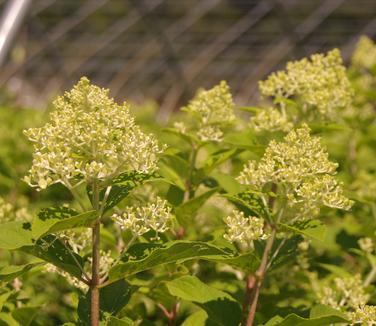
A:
{"x": 113, "y": 298}
{"x": 144, "y": 256}
{"x": 9, "y": 273}
{"x": 52, "y": 250}
{"x": 250, "y": 203}
{"x": 186, "y": 213}
{"x": 319, "y": 316}
{"x": 25, "y": 315}
{"x": 220, "y": 306}
{"x": 311, "y": 228}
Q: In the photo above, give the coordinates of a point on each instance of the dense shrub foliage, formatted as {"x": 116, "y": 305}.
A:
{"x": 259, "y": 215}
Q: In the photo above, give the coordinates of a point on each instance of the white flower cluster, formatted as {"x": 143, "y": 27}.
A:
{"x": 366, "y": 244}
{"x": 364, "y": 55}
{"x": 89, "y": 136}
{"x": 49, "y": 268}
{"x": 155, "y": 215}
{"x": 365, "y": 315}
{"x": 302, "y": 165}
{"x": 106, "y": 262}
{"x": 348, "y": 295}
{"x": 320, "y": 82}
{"x": 214, "y": 108}
{"x": 244, "y": 229}
{"x": 9, "y": 212}
{"x": 77, "y": 239}
{"x": 270, "y": 119}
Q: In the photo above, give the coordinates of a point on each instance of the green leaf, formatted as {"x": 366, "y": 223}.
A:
{"x": 199, "y": 318}
{"x": 186, "y": 213}
{"x": 113, "y": 298}
{"x": 14, "y": 235}
{"x": 243, "y": 139}
{"x": 57, "y": 219}
{"x": 227, "y": 182}
{"x": 4, "y": 297}
{"x": 113, "y": 321}
{"x": 175, "y": 195}
{"x": 6, "y": 319}
{"x": 319, "y": 316}
{"x": 252, "y": 109}
{"x": 9, "y": 273}
{"x": 337, "y": 270}
{"x": 311, "y": 228}
{"x": 52, "y": 250}
{"x": 218, "y": 158}
{"x": 122, "y": 186}
{"x": 220, "y": 306}
{"x": 187, "y": 137}
{"x": 175, "y": 169}
{"x": 247, "y": 262}
{"x": 25, "y": 315}
{"x": 144, "y": 256}
{"x": 250, "y": 203}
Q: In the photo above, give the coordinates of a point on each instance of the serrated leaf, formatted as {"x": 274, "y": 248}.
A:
{"x": 186, "y": 213}
{"x": 314, "y": 229}
{"x": 220, "y": 306}
{"x": 144, "y": 256}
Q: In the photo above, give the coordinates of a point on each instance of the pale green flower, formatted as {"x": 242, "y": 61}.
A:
{"x": 89, "y": 136}
{"x": 244, "y": 229}
{"x": 366, "y": 244}
{"x": 155, "y": 215}
{"x": 78, "y": 239}
{"x": 365, "y": 315}
{"x": 9, "y": 212}
{"x": 344, "y": 293}
{"x": 292, "y": 161}
{"x": 348, "y": 295}
{"x": 49, "y": 268}
{"x": 213, "y": 108}
{"x": 322, "y": 190}
{"x": 270, "y": 119}
{"x": 6, "y": 211}
{"x": 320, "y": 82}
{"x": 364, "y": 55}
{"x": 301, "y": 164}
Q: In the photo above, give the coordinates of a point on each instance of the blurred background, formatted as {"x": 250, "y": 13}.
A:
{"x": 165, "y": 49}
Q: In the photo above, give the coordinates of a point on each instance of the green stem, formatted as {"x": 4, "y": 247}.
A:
{"x": 95, "y": 279}
{"x": 75, "y": 195}
{"x": 188, "y": 194}
{"x": 254, "y": 290}
{"x": 370, "y": 277}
